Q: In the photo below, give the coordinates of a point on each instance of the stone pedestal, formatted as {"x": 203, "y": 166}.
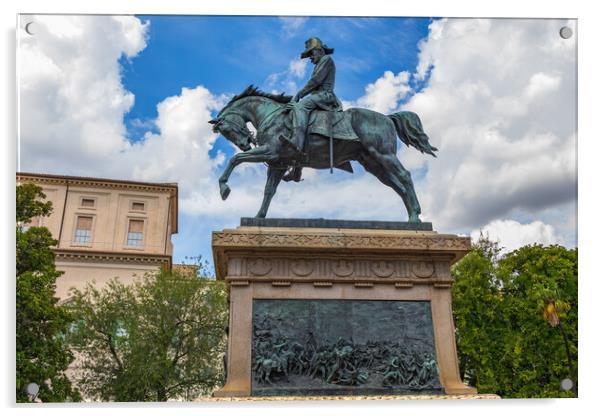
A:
{"x": 264, "y": 263}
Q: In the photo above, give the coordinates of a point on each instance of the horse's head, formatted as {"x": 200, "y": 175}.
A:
{"x": 234, "y": 128}
{"x": 251, "y": 104}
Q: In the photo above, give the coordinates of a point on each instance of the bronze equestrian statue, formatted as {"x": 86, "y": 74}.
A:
{"x": 319, "y": 134}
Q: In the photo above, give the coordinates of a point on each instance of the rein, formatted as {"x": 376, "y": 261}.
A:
{"x": 262, "y": 124}
{"x": 242, "y": 127}
{"x": 268, "y": 118}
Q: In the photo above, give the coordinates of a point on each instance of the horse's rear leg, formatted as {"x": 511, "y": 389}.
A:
{"x": 271, "y": 184}
{"x": 389, "y": 170}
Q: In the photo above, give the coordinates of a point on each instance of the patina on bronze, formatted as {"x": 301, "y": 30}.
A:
{"x": 282, "y": 123}
{"x": 343, "y": 347}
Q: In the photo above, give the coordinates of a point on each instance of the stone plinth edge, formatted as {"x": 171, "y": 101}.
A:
{"x": 322, "y": 398}
{"x": 327, "y": 223}
{"x": 341, "y": 241}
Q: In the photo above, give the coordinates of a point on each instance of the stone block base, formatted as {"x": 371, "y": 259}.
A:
{"x": 359, "y": 266}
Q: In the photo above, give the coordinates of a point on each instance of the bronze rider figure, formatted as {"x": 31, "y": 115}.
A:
{"x": 317, "y": 93}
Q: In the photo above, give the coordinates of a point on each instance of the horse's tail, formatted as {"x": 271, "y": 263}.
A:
{"x": 409, "y": 130}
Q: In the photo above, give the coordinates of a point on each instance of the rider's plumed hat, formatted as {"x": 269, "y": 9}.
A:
{"x": 313, "y": 43}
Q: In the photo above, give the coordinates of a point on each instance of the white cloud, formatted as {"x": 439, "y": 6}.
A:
{"x": 180, "y": 152}
{"x": 288, "y": 80}
{"x": 542, "y": 83}
{"x": 73, "y": 104}
{"x": 291, "y": 25}
{"x": 297, "y": 67}
{"x": 512, "y": 234}
{"x": 499, "y": 104}
{"x": 72, "y": 101}
{"x": 384, "y": 94}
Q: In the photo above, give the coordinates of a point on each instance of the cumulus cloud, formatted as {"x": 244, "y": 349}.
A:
{"x": 512, "y": 234}
{"x": 297, "y": 67}
{"x": 384, "y": 94}
{"x": 499, "y": 102}
{"x": 180, "y": 151}
{"x": 289, "y": 79}
{"x": 73, "y": 103}
{"x": 500, "y": 106}
{"x": 71, "y": 96}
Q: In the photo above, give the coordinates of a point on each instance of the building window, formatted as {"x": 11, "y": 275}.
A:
{"x": 137, "y": 206}
{"x": 83, "y": 230}
{"x": 88, "y": 203}
{"x": 135, "y": 228}
{"x": 35, "y": 222}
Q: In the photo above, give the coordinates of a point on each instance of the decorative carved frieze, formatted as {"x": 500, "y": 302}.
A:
{"x": 302, "y": 267}
{"x": 342, "y": 268}
{"x": 293, "y": 268}
{"x": 237, "y": 238}
{"x": 314, "y": 254}
{"x": 423, "y": 269}
{"x": 382, "y": 268}
{"x": 259, "y": 266}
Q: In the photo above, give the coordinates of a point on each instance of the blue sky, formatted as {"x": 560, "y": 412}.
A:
{"x": 129, "y": 97}
{"x": 227, "y": 53}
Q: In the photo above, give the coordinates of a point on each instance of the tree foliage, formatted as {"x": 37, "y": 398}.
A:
{"x": 41, "y": 353}
{"x": 516, "y": 319}
{"x": 160, "y": 338}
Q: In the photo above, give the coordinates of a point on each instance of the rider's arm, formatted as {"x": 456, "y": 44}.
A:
{"x": 318, "y": 76}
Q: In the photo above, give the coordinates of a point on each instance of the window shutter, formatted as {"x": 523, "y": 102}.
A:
{"x": 84, "y": 223}
{"x": 136, "y": 226}
{"x": 88, "y": 203}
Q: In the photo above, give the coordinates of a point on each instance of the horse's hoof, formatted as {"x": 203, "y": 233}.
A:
{"x": 414, "y": 219}
{"x": 224, "y": 191}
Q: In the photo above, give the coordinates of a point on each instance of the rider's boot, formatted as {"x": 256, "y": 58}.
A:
{"x": 294, "y": 174}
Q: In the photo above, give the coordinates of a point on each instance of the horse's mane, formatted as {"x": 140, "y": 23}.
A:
{"x": 253, "y": 91}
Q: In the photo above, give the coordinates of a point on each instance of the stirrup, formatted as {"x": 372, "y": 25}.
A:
{"x": 293, "y": 174}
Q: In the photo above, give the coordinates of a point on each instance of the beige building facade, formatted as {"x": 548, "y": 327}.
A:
{"x": 107, "y": 228}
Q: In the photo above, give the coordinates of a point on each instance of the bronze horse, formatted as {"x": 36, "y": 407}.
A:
{"x": 375, "y": 149}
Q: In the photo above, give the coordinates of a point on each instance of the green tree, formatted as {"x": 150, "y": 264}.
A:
{"x": 41, "y": 323}
{"x": 516, "y": 319}
{"x": 477, "y": 307}
{"x": 160, "y": 338}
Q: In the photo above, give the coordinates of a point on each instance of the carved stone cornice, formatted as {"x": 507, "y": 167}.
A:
{"x": 283, "y": 252}
{"x": 97, "y": 182}
{"x": 112, "y": 257}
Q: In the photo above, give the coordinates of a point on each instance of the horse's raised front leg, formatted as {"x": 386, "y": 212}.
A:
{"x": 271, "y": 184}
{"x": 256, "y": 154}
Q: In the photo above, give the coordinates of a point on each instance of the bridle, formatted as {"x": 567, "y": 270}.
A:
{"x": 239, "y": 128}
